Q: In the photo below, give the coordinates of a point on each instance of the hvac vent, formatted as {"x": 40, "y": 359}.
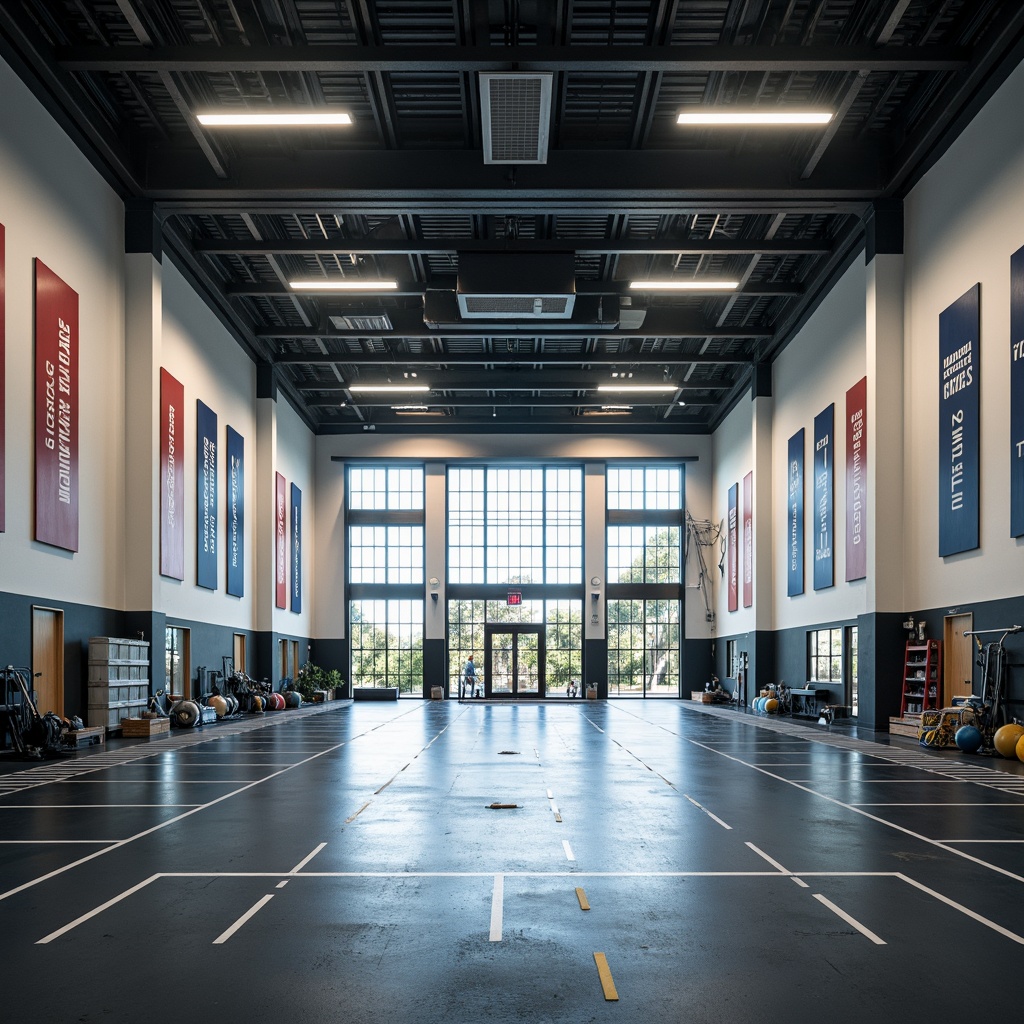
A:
{"x": 514, "y": 286}
{"x": 515, "y": 110}
{"x": 362, "y": 322}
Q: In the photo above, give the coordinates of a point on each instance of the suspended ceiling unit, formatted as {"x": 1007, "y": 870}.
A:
{"x": 509, "y": 286}
{"x": 516, "y": 113}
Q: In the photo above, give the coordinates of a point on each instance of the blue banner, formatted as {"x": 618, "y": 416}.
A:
{"x": 824, "y": 488}
{"x": 1017, "y": 394}
{"x": 959, "y": 423}
{"x": 235, "y": 466}
{"x": 206, "y": 496}
{"x": 296, "y": 549}
{"x": 795, "y": 516}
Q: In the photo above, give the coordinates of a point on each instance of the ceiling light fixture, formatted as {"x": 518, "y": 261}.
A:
{"x": 409, "y": 408}
{"x": 348, "y": 284}
{"x": 617, "y": 408}
{"x": 388, "y": 387}
{"x": 279, "y": 119}
{"x": 688, "y": 285}
{"x": 753, "y": 118}
{"x": 654, "y": 388}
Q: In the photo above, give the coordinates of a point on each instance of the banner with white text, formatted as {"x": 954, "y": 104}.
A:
{"x": 206, "y": 496}
{"x": 795, "y": 515}
{"x": 733, "y": 556}
{"x": 296, "y": 549}
{"x": 959, "y": 424}
{"x": 56, "y": 428}
{"x": 3, "y": 386}
{"x": 824, "y": 488}
{"x": 748, "y": 540}
{"x": 172, "y": 477}
{"x": 857, "y": 481}
{"x": 235, "y": 468}
{"x": 281, "y": 543}
{"x": 1017, "y": 394}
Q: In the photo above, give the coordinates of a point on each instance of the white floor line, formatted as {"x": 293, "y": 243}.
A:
{"x": 497, "y": 907}
{"x": 97, "y": 910}
{"x": 867, "y": 932}
{"x": 57, "y": 842}
{"x": 250, "y": 913}
{"x": 713, "y": 817}
{"x": 771, "y": 860}
{"x": 76, "y": 807}
{"x": 305, "y": 860}
{"x": 980, "y": 840}
{"x": 963, "y": 910}
{"x": 569, "y": 855}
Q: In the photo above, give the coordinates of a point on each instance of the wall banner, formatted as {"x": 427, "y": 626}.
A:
{"x": 748, "y": 540}
{"x": 857, "y": 481}
{"x": 172, "y": 477}
{"x": 824, "y": 488}
{"x": 235, "y": 469}
{"x": 281, "y": 544}
{"x": 206, "y": 496}
{"x": 1017, "y": 394}
{"x": 733, "y": 555}
{"x": 3, "y": 385}
{"x": 56, "y": 512}
{"x": 959, "y": 423}
{"x": 296, "y": 549}
{"x": 795, "y": 515}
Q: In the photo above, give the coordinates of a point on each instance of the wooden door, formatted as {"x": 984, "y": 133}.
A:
{"x": 238, "y": 654}
{"x": 958, "y": 657}
{"x": 48, "y": 659}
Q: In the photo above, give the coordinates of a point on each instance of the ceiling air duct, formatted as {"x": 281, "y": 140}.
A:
{"x": 515, "y": 111}
{"x": 516, "y": 286}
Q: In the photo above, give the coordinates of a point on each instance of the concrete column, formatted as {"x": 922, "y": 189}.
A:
{"x": 595, "y": 638}
{"x": 264, "y": 533}
{"x": 435, "y": 513}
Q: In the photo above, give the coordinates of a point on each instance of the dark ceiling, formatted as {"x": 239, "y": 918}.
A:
{"x": 404, "y": 193}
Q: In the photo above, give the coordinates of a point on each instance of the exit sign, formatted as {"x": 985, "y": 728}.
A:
{"x": 515, "y": 597}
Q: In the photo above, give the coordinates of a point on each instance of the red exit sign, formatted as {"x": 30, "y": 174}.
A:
{"x": 515, "y": 597}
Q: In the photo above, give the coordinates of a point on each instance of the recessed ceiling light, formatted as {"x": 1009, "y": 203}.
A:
{"x": 754, "y": 118}
{"x": 281, "y": 119}
{"x": 388, "y": 387}
{"x": 638, "y": 387}
{"x": 347, "y": 284}
{"x": 689, "y": 285}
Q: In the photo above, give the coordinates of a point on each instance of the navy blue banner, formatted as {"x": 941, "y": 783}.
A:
{"x": 795, "y": 516}
{"x": 1017, "y": 394}
{"x": 206, "y": 496}
{"x": 824, "y": 488}
{"x": 296, "y": 549}
{"x": 235, "y": 465}
{"x": 959, "y": 423}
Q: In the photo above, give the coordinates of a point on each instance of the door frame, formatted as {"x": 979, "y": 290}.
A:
{"x": 58, "y": 657}
{"x": 540, "y": 630}
{"x": 955, "y": 645}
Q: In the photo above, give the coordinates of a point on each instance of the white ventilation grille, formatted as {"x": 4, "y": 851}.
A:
{"x": 515, "y": 110}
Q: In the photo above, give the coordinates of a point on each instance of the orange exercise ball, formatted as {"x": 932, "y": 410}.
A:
{"x": 1006, "y": 739}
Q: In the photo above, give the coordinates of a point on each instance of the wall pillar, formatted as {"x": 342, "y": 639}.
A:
{"x": 265, "y": 532}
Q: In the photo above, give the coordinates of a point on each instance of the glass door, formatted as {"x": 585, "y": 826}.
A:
{"x": 514, "y": 659}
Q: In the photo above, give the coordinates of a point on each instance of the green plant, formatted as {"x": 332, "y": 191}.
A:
{"x": 311, "y": 678}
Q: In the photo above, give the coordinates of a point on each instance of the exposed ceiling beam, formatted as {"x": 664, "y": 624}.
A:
{"x": 506, "y": 400}
{"x": 581, "y": 246}
{"x": 402, "y": 361}
{"x": 591, "y": 59}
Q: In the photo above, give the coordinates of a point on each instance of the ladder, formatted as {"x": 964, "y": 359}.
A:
{"x": 922, "y": 677}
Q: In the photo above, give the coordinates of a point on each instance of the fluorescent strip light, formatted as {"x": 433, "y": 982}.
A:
{"x": 754, "y": 118}
{"x": 660, "y": 388}
{"x": 349, "y": 284}
{"x": 321, "y": 118}
{"x": 389, "y": 387}
{"x": 616, "y": 408}
{"x": 409, "y": 408}
{"x": 685, "y": 286}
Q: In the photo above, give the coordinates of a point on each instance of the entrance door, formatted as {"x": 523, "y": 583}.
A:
{"x": 514, "y": 656}
{"x": 48, "y": 659}
{"x": 957, "y": 657}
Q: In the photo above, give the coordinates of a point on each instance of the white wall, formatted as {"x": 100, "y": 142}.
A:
{"x": 817, "y": 368}
{"x": 54, "y": 206}
{"x": 963, "y": 221}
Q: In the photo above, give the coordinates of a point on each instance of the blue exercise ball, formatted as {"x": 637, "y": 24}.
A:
{"x": 968, "y": 739}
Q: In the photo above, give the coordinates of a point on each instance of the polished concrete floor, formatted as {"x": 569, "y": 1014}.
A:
{"x": 346, "y": 864}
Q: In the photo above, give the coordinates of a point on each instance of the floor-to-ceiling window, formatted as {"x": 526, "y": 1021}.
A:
{"x": 385, "y": 576}
{"x": 644, "y": 535}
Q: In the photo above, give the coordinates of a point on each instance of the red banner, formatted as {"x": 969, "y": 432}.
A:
{"x": 56, "y": 518}
{"x": 857, "y": 480}
{"x": 281, "y": 543}
{"x": 748, "y": 540}
{"x": 733, "y": 569}
{"x": 3, "y": 386}
{"x": 172, "y": 476}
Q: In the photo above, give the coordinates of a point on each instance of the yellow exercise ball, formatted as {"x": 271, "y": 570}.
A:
{"x": 771, "y": 705}
{"x": 1020, "y": 749}
{"x": 1006, "y": 739}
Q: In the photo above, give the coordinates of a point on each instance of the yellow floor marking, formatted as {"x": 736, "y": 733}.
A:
{"x": 582, "y": 897}
{"x": 360, "y": 811}
{"x": 605, "y": 974}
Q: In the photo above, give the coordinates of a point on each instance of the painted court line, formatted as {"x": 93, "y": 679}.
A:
{"x": 569, "y": 855}
{"x": 305, "y": 860}
{"x": 865, "y": 931}
{"x": 251, "y": 912}
{"x": 356, "y": 815}
{"x": 97, "y": 910}
{"x": 497, "y": 902}
{"x": 770, "y": 860}
{"x": 713, "y": 817}
{"x": 963, "y": 910}
{"x": 56, "y": 842}
{"x": 605, "y": 974}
